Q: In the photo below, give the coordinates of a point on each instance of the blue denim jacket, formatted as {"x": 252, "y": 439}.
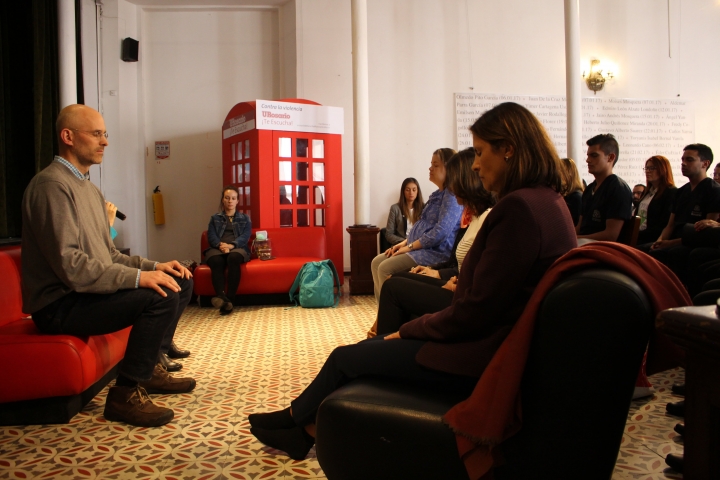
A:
{"x": 242, "y": 227}
{"x": 436, "y": 229}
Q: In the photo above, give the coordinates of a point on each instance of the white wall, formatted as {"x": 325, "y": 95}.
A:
{"x": 123, "y": 171}
{"x": 422, "y": 51}
{"x": 324, "y": 74}
{"x": 197, "y": 64}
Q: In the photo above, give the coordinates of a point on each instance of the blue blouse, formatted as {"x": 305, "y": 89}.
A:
{"x": 436, "y": 229}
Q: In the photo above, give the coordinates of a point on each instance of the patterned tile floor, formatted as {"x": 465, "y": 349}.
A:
{"x": 256, "y": 359}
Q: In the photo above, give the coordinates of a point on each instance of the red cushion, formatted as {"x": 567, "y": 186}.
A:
{"x": 257, "y": 276}
{"x": 10, "y": 293}
{"x": 41, "y": 366}
{"x": 291, "y": 247}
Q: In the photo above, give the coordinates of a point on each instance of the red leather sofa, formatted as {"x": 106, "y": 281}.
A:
{"x": 267, "y": 281}
{"x": 47, "y": 378}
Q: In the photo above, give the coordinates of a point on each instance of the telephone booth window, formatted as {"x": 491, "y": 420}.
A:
{"x": 302, "y": 194}
{"x": 301, "y": 146}
{"x": 303, "y": 219}
{"x": 319, "y": 195}
{"x": 247, "y": 196}
{"x": 285, "y": 171}
{"x": 285, "y": 195}
{"x": 247, "y": 173}
{"x": 285, "y": 147}
{"x": 286, "y": 217}
{"x": 302, "y": 170}
{"x": 318, "y": 148}
{"x": 319, "y": 217}
{"x": 318, "y": 172}
{"x": 239, "y": 151}
{"x": 232, "y": 148}
{"x": 239, "y": 173}
{"x": 247, "y": 148}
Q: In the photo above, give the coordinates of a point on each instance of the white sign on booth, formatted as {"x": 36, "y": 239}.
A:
{"x": 298, "y": 117}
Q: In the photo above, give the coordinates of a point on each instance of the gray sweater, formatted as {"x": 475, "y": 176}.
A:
{"x": 66, "y": 244}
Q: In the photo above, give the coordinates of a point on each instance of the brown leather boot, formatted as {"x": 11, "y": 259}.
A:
{"x": 132, "y": 405}
{"x": 163, "y": 382}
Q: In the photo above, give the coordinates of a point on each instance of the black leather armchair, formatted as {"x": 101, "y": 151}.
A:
{"x": 588, "y": 344}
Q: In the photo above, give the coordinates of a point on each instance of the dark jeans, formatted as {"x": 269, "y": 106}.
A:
{"x": 152, "y": 316}
{"x": 406, "y": 296}
{"x": 376, "y": 357}
{"x": 217, "y": 264}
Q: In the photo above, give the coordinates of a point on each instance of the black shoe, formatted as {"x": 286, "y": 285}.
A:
{"x": 176, "y": 352}
{"x": 226, "y": 308}
{"x": 677, "y": 408}
{"x": 169, "y": 365}
{"x": 296, "y": 442}
{"x": 680, "y": 428}
{"x": 678, "y": 389}
{"x": 272, "y": 420}
{"x": 675, "y": 462}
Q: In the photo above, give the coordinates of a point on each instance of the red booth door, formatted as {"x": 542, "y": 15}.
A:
{"x": 308, "y": 185}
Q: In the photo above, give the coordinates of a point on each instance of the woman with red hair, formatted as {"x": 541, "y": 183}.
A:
{"x": 656, "y": 203}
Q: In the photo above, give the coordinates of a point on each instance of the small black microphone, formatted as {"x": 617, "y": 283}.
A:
{"x": 119, "y": 215}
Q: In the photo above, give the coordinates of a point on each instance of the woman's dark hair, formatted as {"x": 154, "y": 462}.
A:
{"x": 222, "y": 195}
{"x": 444, "y": 155}
{"x": 535, "y": 161}
{"x": 570, "y": 177}
{"x": 466, "y": 184}
{"x": 664, "y": 169}
{"x": 418, "y": 204}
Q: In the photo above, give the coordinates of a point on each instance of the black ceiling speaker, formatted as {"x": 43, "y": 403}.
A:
{"x": 130, "y": 50}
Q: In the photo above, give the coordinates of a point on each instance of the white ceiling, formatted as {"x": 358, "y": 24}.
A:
{"x": 211, "y": 3}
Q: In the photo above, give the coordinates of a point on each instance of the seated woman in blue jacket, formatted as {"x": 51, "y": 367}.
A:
{"x": 228, "y": 235}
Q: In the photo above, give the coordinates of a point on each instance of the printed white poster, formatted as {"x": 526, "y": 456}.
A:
{"x": 643, "y": 127}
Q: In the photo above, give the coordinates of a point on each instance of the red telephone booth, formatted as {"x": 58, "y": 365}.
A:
{"x": 285, "y": 157}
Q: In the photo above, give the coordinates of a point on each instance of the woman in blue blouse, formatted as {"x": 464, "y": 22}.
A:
{"x": 228, "y": 235}
{"x": 431, "y": 239}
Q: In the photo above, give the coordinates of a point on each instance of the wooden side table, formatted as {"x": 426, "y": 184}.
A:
{"x": 363, "y": 248}
{"x": 697, "y": 329}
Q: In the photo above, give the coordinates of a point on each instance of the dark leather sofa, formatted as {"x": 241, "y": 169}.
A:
{"x": 586, "y": 352}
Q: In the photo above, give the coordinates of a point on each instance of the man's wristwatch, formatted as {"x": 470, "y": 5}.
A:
{"x": 410, "y": 245}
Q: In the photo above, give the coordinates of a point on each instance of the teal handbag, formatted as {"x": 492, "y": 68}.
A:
{"x": 316, "y": 282}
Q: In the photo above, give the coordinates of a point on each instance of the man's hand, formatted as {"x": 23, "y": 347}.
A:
{"x": 703, "y": 224}
{"x": 392, "y": 336}
{"x": 173, "y": 267}
{"x": 158, "y": 279}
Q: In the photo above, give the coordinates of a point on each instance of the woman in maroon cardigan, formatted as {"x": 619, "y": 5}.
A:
{"x": 529, "y": 228}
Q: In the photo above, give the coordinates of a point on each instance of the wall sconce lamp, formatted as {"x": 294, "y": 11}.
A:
{"x": 595, "y": 79}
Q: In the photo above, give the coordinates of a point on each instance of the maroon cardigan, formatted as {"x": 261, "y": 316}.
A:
{"x": 522, "y": 236}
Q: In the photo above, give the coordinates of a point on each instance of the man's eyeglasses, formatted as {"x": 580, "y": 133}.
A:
{"x": 96, "y": 133}
{"x": 649, "y": 169}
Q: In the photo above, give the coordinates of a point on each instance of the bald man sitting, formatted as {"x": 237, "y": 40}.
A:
{"x": 75, "y": 282}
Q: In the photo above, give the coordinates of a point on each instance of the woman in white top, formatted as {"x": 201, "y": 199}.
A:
{"x": 428, "y": 289}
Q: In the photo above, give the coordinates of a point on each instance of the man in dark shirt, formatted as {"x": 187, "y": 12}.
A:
{"x": 606, "y": 202}
{"x": 696, "y": 203}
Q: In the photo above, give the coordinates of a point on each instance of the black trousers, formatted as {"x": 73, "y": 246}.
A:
{"x": 405, "y": 296}
{"x": 675, "y": 258}
{"x": 376, "y": 357}
{"x": 153, "y": 317}
{"x": 703, "y": 266}
{"x": 217, "y": 264}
